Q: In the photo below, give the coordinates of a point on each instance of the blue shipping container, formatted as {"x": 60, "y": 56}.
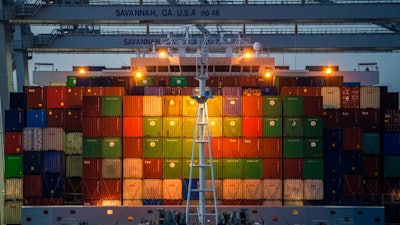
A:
{"x": 333, "y": 139}
{"x": 18, "y": 100}
{"x": 391, "y": 143}
{"x": 185, "y": 189}
{"x": 333, "y": 186}
{"x": 32, "y": 162}
{"x": 53, "y": 162}
{"x": 152, "y": 202}
{"x": 36, "y": 118}
{"x": 53, "y": 185}
{"x": 332, "y": 162}
{"x": 14, "y": 120}
{"x": 84, "y": 81}
{"x": 352, "y": 162}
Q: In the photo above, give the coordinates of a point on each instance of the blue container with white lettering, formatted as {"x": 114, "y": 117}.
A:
{"x": 14, "y": 120}
{"x": 391, "y": 143}
{"x": 53, "y": 185}
{"x": 36, "y": 118}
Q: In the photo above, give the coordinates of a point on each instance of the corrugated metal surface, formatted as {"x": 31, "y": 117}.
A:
{"x": 94, "y": 91}
{"x": 172, "y": 188}
{"x": 232, "y": 90}
{"x": 13, "y": 142}
{"x": 111, "y": 147}
{"x": 172, "y": 168}
{"x": 333, "y": 139}
{"x": 371, "y": 143}
{"x": 53, "y": 162}
{"x": 53, "y": 185}
{"x": 313, "y": 126}
{"x": 111, "y": 106}
{"x": 132, "y": 189}
{"x": 350, "y": 97}
{"x": 292, "y": 106}
{"x": 152, "y": 126}
{"x": 309, "y": 91}
{"x": 111, "y": 126}
{"x": 13, "y": 166}
{"x": 92, "y": 105}
{"x": 187, "y": 165}
{"x": 152, "y": 189}
{"x": 91, "y": 126}
{"x": 92, "y": 147}
{"x": 313, "y": 105}
{"x": 152, "y": 106}
{"x": 215, "y": 125}
{"x": 56, "y": 97}
{"x": 353, "y": 186}
{"x": 54, "y": 138}
{"x": 252, "y": 105}
{"x": 111, "y": 189}
{"x": 214, "y": 105}
{"x": 152, "y": 169}
{"x": 172, "y": 127}
{"x": 133, "y": 105}
{"x": 272, "y": 126}
{"x": 369, "y": 120}
{"x": 331, "y": 118}
{"x": 74, "y": 143}
{"x": 272, "y": 105}
{"x": 130, "y": 202}
{"x": 313, "y": 168}
{"x": 232, "y": 147}
{"x": 32, "y": 185}
{"x": 272, "y": 169}
{"x": 172, "y": 147}
{"x": 73, "y": 120}
{"x": 218, "y": 189}
{"x": 252, "y": 168}
{"x": 189, "y": 107}
{"x": 152, "y": 147}
{"x": 331, "y": 97}
{"x": 272, "y": 189}
{"x": 33, "y": 139}
{"x": 232, "y": 126}
{"x": 370, "y": 97}
{"x": 154, "y": 91}
{"x": 12, "y": 212}
{"x": 55, "y": 117}
{"x": 272, "y": 147}
{"x": 14, "y": 189}
{"x": 290, "y": 91}
{"x": 313, "y": 147}
{"x": 91, "y": 168}
{"x": 231, "y": 168}
{"x": 172, "y": 105}
{"x": 32, "y": 162}
{"x": 73, "y": 165}
{"x": 372, "y": 166}
{"x": 111, "y": 168}
{"x": 252, "y": 126}
{"x": 293, "y": 147}
{"x": 391, "y": 167}
{"x": 293, "y": 127}
{"x": 352, "y": 138}
{"x": 36, "y": 118}
{"x": 252, "y": 147}
{"x": 91, "y": 190}
{"x": 133, "y": 168}
{"x": 189, "y": 125}
{"x": 232, "y": 189}
{"x": 132, "y": 147}
{"x": 293, "y": 189}
{"x": 114, "y": 91}
{"x": 18, "y": 100}
{"x": 352, "y": 162}
{"x": 194, "y": 185}
{"x": 252, "y": 189}
{"x": 232, "y": 105}
{"x": 293, "y": 169}
{"x": 35, "y": 97}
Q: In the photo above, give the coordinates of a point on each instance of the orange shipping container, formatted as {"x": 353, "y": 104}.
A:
{"x": 251, "y": 105}
{"x": 133, "y": 105}
{"x": 232, "y": 147}
{"x": 114, "y": 91}
{"x": 252, "y": 126}
{"x": 94, "y": 91}
{"x": 133, "y": 147}
{"x": 133, "y": 126}
{"x": 252, "y": 147}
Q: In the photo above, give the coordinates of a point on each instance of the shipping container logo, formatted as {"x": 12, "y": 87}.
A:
{"x": 272, "y": 102}
{"x": 172, "y": 102}
{"x": 313, "y": 123}
{"x": 144, "y": 81}
{"x": 172, "y": 123}
{"x": 272, "y": 123}
{"x": 313, "y": 144}
{"x": 172, "y": 165}
{"x": 152, "y": 144}
{"x": 232, "y": 102}
{"x": 111, "y": 144}
{"x": 232, "y": 123}
{"x": 152, "y": 123}
{"x": 212, "y": 123}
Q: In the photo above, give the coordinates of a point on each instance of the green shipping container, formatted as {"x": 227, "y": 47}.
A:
{"x": 313, "y": 127}
{"x": 152, "y": 147}
{"x": 71, "y": 81}
{"x": 252, "y": 168}
{"x": 313, "y": 168}
{"x": 172, "y": 147}
{"x": 187, "y": 164}
{"x": 293, "y": 127}
{"x": 215, "y": 125}
{"x": 187, "y": 144}
{"x": 293, "y": 147}
{"x": 13, "y": 166}
{"x": 371, "y": 143}
{"x": 232, "y": 127}
{"x": 214, "y": 106}
{"x": 293, "y": 106}
{"x": 152, "y": 126}
{"x": 272, "y": 126}
{"x": 172, "y": 127}
{"x": 232, "y": 168}
{"x": 391, "y": 166}
{"x": 272, "y": 105}
{"x": 172, "y": 168}
{"x": 178, "y": 81}
{"x": 111, "y": 106}
{"x": 111, "y": 147}
{"x": 189, "y": 123}
{"x": 92, "y": 147}
{"x": 144, "y": 81}
{"x": 313, "y": 148}
{"x": 217, "y": 165}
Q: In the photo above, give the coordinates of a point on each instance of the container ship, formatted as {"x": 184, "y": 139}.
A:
{"x": 99, "y": 145}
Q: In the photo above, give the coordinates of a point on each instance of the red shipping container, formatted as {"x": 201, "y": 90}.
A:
{"x": 353, "y": 186}
{"x": 352, "y": 138}
{"x": 281, "y": 82}
{"x": 251, "y": 105}
{"x": 348, "y": 117}
{"x": 133, "y": 105}
{"x": 110, "y": 126}
{"x": 331, "y": 118}
{"x": 32, "y": 185}
{"x": 263, "y": 81}
{"x": 372, "y": 166}
{"x": 91, "y": 126}
{"x": 33, "y": 201}
{"x": 111, "y": 189}
{"x": 229, "y": 81}
{"x": 216, "y": 146}
{"x": 36, "y": 97}
{"x": 53, "y": 201}
{"x": 247, "y": 81}
{"x": 293, "y": 168}
{"x": 13, "y": 143}
{"x": 272, "y": 147}
{"x": 132, "y": 147}
{"x": 214, "y": 81}
{"x": 73, "y": 185}
{"x": 252, "y": 126}
{"x": 272, "y": 169}
{"x": 369, "y": 120}
{"x": 91, "y": 189}
{"x": 290, "y": 91}
{"x": 232, "y": 147}
{"x": 114, "y": 91}
{"x": 313, "y": 106}
{"x": 252, "y": 147}
{"x": 56, "y": 97}
{"x": 310, "y": 91}
{"x": 74, "y": 97}
{"x": 350, "y": 98}
{"x": 92, "y": 106}
{"x": 91, "y": 168}
{"x": 133, "y": 126}
{"x": 94, "y": 91}
{"x": 152, "y": 168}
{"x": 73, "y": 120}
{"x": 55, "y": 118}
{"x": 191, "y": 81}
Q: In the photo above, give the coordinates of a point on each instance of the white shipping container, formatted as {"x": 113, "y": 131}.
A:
{"x": 252, "y": 189}
{"x": 331, "y": 97}
{"x": 74, "y": 143}
{"x": 232, "y": 189}
{"x": 152, "y": 189}
{"x": 133, "y": 189}
{"x": 152, "y": 105}
{"x": 272, "y": 203}
{"x": 73, "y": 165}
{"x": 54, "y": 138}
{"x": 172, "y": 189}
{"x": 133, "y": 168}
{"x": 12, "y": 212}
{"x": 218, "y": 188}
{"x": 313, "y": 189}
{"x": 32, "y": 139}
{"x": 111, "y": 168}
{"x": 130, "y": 202}
{"x": 293, "y": 189}
{"x": 370, "y": 97}
{"x": 272, "y": 189}
{"x": 14, "y": 189}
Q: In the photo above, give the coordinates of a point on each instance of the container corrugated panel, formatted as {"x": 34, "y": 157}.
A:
{"x": 56, "y": 97}
{"x": 352, "y": 138}
{"x": 216, "y": 147}
{"x": 194, "y": 185}
{"x": 132, "y": 147}
{"x": 111, "y": 126}
{"x": 333, "y": 162}
{"x": 172, "y": 168}
{"x": 372, "y": 187}
{"x": 371, "y": 143}
{"x": 111, "y": 106}
{"x": 55, "y": 117}
{"x": 293, "y": 168}
{"x": 215, "y": 126}
{"x": 152, "y": 189}
{"x": 313, "y": 126}
{"x": 111, "y": 189}
{"x": 162, "y": 81}
{"x": 214, "y": 105}
{"x": 272, "y": 147}
{"x": 13, "y": 142}
{"x": 352, "y": 162}
{"x": 152, "y": 126}
{"x": 132, "y": 126}
{"x": 133, "y": 168}
{"x": 114, "y": 91}
{"x": 293, "y": 189}
{"x": 111, "y": 168}
{"x": 292, "y": 106}
{"x": 73, "y": 165}
{"x": 172, "y": 189}
{"x": 33, "y": 139}
{"x": 187, "y": 145}
{"x": 272, "y": 126}
{"x": 152, "y": 168}
{"x": 91, "y": 191}
{"x": 32, "y": 185}
{"x": 252, "y": 189}
{"x": 333, "y": 186}
{"x": 391, "y": 167}
{"x": 313, "y": 189}
{"x": 12, "y": 212}
{"x": 187, "y": 164}
{"x": 218, "y": 168}
{"x": 232, "y": 147}
{"x": 133, "y": 105}
{"x": 13, "y": 166}
{"x": 189, "y": 107}
{"x": 350, "y": 97}
{"x": 370, "y": 97}
{"x": 353, "y": 186}
{"x": 74, "y": 143}
{"x": 94, "y": 91}
{"x": 252, "y": 168}
{"x": 152, "y": 147}
{"x": 232, "y": 126}
{"x": 391, "y": 121}
{"x": 293, "y": 127}
{"x": 389, "y": 100}
{"x": 348, "y": 117}
{"x": 293, "y": 147}
{"x": 172, "y": 147}
{"x": 369, "y": 120}
{"x": 331, "y": 97}
{"x": 252, "y": 126}
{"x": 178, "y": 81}
{"x": 36, "y": 118}
{"x": 290, "y": 91}
{"x": 91, "y": 168}
{"x": 252, "y": 147}
{"x": 54, "y": 138}
{"x": 189, "y": 125}
{"x": 32, "y": 162}
{"x": 231, "y": 168}
{"x": 263, "y": 81}
{"x": 391, "y": 143}
{"x": 268, "y": 90}
{"x": 218, "y": 189}
{"x": 229, "y": 81}
{"x": 154, "y": 91}
{"x": 53, "y": 162}
{"x": 333, "y": 139}
{"x": 372, "y": 166}
{"x": 18, "y": 100}
{"x": 132, "y": 189}
{"x": 232, "y": 189}
{"x": 35, "y": 97}
{"x": 249, "y": 81}
{"x": 111, "y": 147}
{"x": 280, "y": 82}
{"x": 73, "y": 120}
{"x": 172, "y": 127}
{"x": 331, "y": 118}
{"x": 272, "y": 189}
{"x": 92, "y": 147}
{"x": 53, "y": 185}
{"x": 14, "y": 189}
{"x": 313, "y": 168}
{"x": 74, "y": 97}
{"x": 172, "y": 105}
{"x": 310, "y": 91}
{"x": 252, "y": 105}
{"x": 313, "y": 106}
{"x": 334, "y": 81}
{"x": 232, "y": 105}
{"x": 152, "y": 106}
{"x": 313, "y": 147}
{"x": 91, "y": 126}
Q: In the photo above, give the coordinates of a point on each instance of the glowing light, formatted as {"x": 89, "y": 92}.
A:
{"x": 247, "y": 55}
{"x": 82, "y": 71}
{"x": 268, "y": 74}
{"x": 138, "y": 74}
{"x": 328, "y": 70}
{"x": 110, "y": 212}
{"x": 162, "y": 53}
